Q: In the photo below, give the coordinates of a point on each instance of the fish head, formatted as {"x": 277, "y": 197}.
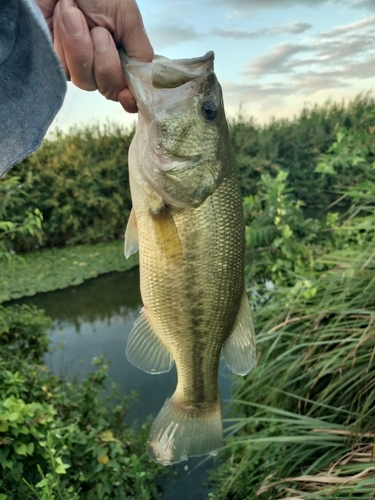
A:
{"x": 182, "y": 129}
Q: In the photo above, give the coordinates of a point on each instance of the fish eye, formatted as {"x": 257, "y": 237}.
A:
{"x": 209, "y": 110}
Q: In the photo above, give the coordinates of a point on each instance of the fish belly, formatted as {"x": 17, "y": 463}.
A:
{"x": 192, "y": 268}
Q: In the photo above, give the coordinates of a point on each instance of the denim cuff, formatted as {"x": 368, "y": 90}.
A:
{"x": 32, "y": 81}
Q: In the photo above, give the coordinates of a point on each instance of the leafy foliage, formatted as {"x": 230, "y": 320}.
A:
{"x": 79, "y": 181}
{"x": 280, "y": 241}
{"x": 53, "y": 268}
{"x": 296, "y": 146}
{"x": 304, "y": 425}
{"x": 26, "y": 227}
{"x": 63, "y": 439}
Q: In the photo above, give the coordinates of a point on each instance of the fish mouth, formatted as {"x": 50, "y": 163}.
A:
{"x": 168, "y": 74}
{"x": 163, "y": 74}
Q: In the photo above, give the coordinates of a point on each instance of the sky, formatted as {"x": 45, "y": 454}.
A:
{"x": 272, "y": 57}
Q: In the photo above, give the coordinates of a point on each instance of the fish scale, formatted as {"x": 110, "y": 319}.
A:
{"x": 187, "y": 223}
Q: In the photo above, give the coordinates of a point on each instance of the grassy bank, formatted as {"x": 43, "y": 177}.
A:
{"x": 305, "y": 417}
{"x": 53, "y": 268}
{"x": 304, "y": 425}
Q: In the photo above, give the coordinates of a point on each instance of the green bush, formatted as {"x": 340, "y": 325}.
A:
{"x": 296, "y": 147}
{"x": 281, "y": 242}
{"x": 304, "y": 421}
{"x": 20, "y": 224}
{"x": 62, "y": 439}
{"x": 79, "y": 181}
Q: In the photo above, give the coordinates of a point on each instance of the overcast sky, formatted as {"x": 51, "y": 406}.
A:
{"x": 271, "y": 56}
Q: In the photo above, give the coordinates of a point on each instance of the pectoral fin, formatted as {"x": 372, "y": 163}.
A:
{"x": 131, "y": 236}
{"x": 167, "y": 235}
{"x": 240, "y": 348}
{"x": 145, "y": 350}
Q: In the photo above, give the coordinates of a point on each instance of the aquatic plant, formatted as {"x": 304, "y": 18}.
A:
{"x": 54, "y": 268}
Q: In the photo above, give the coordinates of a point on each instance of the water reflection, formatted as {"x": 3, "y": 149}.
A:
{"x": 96, "y": 318}
{"x": 101, "y": 299}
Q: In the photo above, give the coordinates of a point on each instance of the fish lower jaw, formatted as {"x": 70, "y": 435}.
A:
{"x": 173, "y": 162}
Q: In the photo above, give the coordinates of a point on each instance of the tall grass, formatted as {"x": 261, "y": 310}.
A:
{"x": 307, "y": 412}
{"x": 304, "y": 425}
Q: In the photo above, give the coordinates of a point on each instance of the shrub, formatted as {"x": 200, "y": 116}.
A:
{"x": 296, "y": 147}
{"x": 79, "y": 181}
{"x": 304, "y": 417}
{"x": 58, "y": 438}
{"x": 20, "y": 225}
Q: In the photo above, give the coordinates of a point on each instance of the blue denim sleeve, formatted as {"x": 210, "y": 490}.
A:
{"x": 32, "y": 82}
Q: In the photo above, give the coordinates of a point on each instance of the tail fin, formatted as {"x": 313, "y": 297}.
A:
{"x": 180, "y": 432}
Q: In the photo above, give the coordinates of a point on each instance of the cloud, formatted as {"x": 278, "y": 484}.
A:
{"x": 313, "y": 81}
{"x": 348, "y": 46}
{"x": 255, "y": 92}
{"x": 277, "y": 60}
{"x": 246, "y": 6}
{"x": 339, "y": 50}
{"x": 165, "y": 35}
{"x": 369, "y": 4}
{"x": 330, "y": 64}
{"x": 293, "y": 29}
{"x": 310, "y": 82}
{"x": 350, "y": 27}
{"x": 261, "y": 4}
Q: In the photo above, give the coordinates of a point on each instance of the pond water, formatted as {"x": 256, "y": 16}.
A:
{"x": 95, "y": 318}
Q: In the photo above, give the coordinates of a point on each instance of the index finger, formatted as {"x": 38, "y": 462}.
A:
{"x": 130, "y": 33}
{"x": 107, "y": 68}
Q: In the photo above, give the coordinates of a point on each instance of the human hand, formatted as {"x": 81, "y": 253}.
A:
{"x": 86, "y": 34}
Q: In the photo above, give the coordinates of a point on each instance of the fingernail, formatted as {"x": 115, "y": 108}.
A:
{"x": 100, "y": 39}
{"x": 73, "y": 22}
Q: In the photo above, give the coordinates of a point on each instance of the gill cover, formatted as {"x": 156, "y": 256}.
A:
{"x": 179, "y": 102}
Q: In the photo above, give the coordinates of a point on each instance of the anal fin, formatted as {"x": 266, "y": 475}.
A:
{"x": 240, "y": 348}
{"x": 145, "y": 350}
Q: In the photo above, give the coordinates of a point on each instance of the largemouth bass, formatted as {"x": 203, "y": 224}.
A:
{"x": 187, "y": 223}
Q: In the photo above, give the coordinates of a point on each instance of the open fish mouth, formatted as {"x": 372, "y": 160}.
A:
{"x": 167, "y": 74}
{"x": 164, "y": 74}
